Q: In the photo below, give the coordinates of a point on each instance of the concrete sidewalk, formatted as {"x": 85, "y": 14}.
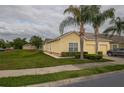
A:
{"x": 46, "y": 70}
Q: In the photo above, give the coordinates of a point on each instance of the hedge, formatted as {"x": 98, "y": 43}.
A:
{"x": 68, "y": 54}
{"x": 100, "y": 53}
{"x": 86, "y": 55}
{"x": 91, "y": 56}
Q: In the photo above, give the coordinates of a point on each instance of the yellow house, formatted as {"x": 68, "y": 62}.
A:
{"x": 70, "y": 42}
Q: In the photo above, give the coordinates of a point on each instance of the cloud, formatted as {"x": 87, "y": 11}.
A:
{"x": 25, "y": 21}
{"x": 18, "y": 21}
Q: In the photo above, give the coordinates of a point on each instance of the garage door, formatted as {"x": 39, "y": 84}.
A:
{"x": 90, "y": 48}
{"x": 103, "y": 48}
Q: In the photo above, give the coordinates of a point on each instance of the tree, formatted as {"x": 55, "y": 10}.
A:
{"x": 18, "y": 43}
{"x": 98, "y": 19}
{"x": 8, "y": 44}
{"x": 2, "y": 43}
{"x": 80, "y": 15}
{"x": 36, "y": 41}
{"x": 117, "y": 27}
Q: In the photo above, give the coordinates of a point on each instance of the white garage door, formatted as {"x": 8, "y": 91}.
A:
{"x": 103, "y": 48}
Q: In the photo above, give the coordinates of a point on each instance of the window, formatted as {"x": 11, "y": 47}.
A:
{"x": 114, "y": 46}
{"x": 73, "y": 47}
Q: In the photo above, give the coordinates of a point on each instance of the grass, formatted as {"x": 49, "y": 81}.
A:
{"x": 22, "y": 59}
{"x": 35, "y": 79}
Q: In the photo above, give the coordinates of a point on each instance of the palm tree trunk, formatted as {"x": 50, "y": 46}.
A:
{"x": 81, "y": 41}
{"x": 96, "y": 39}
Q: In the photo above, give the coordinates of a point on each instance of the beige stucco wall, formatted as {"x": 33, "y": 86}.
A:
{"x": 52, "y": 47}
{"x": 90, "y": 46}
{"x": 72, "y": 38}
{"x": 62, "y": 45}
{"x": 121, "y": 45}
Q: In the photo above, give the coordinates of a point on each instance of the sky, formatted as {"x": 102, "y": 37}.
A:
{"x": 26, "y": 21}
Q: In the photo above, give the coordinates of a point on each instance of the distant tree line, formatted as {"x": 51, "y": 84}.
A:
{"x": 19, "y": 42}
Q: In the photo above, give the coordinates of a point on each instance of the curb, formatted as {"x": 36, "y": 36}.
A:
{"x": 72, "y": 80}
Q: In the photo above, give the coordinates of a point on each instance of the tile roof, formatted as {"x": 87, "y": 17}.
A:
{"x": 90, "y": 36}
{"x": 114, "y": 39}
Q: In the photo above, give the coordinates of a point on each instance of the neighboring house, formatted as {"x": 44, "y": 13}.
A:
{"x": 29, "y": 47}
{"x": 70, "y": 42}
{"x": 116, "y": 41}
{"x": 11, "y": 48}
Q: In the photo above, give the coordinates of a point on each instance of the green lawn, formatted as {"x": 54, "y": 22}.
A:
{"x": 36, "y": 79}
{"x": 22, "y": 59}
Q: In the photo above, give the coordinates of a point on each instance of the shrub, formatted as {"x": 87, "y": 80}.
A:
{"x": 93, "y": 56}
{"x": 100, "y": 53}
{"x": 90, "y": 56}
{"x": 67, "y": 54}
{"x": 77, "y": 56}
{"x": 85, "y": 53}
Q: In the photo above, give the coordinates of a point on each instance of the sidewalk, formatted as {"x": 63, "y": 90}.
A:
{"x": 46, "y": 70}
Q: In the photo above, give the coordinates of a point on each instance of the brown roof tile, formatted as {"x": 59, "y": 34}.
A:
{"x": 90, "y": 36}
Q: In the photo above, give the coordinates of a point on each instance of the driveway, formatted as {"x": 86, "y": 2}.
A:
{"x": 111, "y": 80}
{"x": 119, "y": 60}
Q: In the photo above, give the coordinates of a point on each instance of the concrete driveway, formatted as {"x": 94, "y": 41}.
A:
{"x": 119, "y": 60}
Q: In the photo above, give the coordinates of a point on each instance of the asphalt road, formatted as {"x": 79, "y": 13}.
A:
{"x": 112, "y": 80}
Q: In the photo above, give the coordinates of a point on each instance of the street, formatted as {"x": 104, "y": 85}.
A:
{"x": 112, "y": 80}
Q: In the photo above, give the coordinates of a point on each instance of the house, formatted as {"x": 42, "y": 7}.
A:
{"x": 70, "y": 42}
{"x": 116, "y": 41}
{"x": 11, "y": 48}
{"x": 29, "y": 47}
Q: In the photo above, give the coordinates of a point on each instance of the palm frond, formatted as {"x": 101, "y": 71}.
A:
{"x": 98, "y": 17}
{"x": 88, "y": 12}
{"x": 118, "y": 23}
{"x": 109, "y": 30}
{"x": 112, "y": 21}
{"x": 102, "y": 17}
{"x": 112, "y": 34}
{"x": 67, "y": 22}
{"x": 108, "y": 13}
{"x": 74, "y": 10}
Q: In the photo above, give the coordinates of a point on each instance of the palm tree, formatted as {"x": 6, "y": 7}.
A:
{"x": 80, "y": 15}
{"x": 98, "y": 19}
{"x": 117, "y": 27}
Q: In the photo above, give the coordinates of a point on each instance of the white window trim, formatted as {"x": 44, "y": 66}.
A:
{"x": 73, "y": 42}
